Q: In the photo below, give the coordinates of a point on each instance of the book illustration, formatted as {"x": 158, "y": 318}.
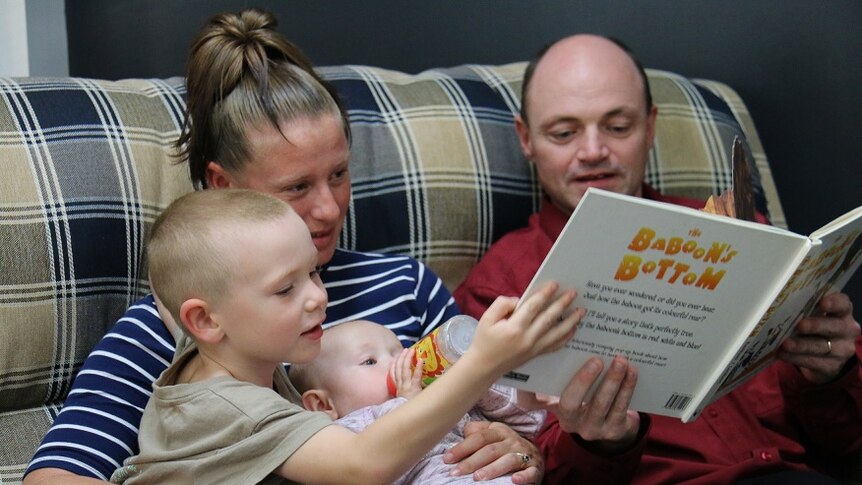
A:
{"x": 738, "y": 201}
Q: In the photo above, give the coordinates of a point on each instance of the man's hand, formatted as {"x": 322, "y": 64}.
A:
{"x": 605, "y": 420}
{"x": 491, "y": 450}
{"x": 825, "y": 341}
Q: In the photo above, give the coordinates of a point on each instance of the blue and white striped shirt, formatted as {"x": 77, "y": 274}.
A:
{"x": 98, "y": 426}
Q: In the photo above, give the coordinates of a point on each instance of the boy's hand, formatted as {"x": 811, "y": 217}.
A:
{"x": 406, "y": 376}
{"x": 508, "y": 337}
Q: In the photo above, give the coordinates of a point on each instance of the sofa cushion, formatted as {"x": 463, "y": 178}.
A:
{"x": 86, "y": 168}
{"x": 438, "y": 171}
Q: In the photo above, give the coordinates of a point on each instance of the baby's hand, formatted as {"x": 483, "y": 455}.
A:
{"x": 508, "y": 336}
{"x": 406, "y": 377}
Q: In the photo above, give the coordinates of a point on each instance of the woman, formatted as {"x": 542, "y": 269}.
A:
{"x": 258, "y": 117}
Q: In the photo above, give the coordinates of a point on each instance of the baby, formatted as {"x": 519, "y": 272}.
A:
{"x": 348, "y": 382}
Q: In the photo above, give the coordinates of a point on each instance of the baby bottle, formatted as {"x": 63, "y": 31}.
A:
{"x": 440, "y": 348}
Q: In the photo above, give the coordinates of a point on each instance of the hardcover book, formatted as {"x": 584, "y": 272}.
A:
{"x": 698, "y": 302}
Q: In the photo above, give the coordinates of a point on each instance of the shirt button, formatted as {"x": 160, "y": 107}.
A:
{"x": 713, "y": 413}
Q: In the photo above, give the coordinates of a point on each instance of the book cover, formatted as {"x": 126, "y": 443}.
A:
{"x": 835, "y": 255}
{"x": 680, "y": 292}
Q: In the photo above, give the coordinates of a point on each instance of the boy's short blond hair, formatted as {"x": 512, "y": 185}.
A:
{"x": 188, "y": 251}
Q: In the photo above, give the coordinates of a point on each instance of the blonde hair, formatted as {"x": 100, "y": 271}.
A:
{"x": 242, "y": 73}
{"x": 186, "y": 252}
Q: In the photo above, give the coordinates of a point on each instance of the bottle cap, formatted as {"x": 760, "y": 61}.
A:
{"x": 460, "y": 333}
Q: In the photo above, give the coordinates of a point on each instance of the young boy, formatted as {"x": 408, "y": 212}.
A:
{"x": 237, "y": 269}
{"x": 347, "y": 380}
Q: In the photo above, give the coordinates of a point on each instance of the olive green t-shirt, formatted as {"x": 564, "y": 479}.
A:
{"x": 220, "y": 430}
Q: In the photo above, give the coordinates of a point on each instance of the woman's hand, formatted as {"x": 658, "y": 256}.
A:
{"x": 491, "y": 450}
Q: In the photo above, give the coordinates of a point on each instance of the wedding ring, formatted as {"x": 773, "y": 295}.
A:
{"x": 524, "y": 459}
{"x": 828, "y": 347}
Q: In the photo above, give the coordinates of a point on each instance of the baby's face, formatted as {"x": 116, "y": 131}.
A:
{"x": 358, "y": 356}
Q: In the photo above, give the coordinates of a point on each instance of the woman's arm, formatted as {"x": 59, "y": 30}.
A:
{"x": 98, "y": 426}
{"x": 57, "y": 476}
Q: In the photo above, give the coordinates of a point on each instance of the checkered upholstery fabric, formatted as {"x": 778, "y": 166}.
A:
{"x": 438, "y": 172}
{"x": 86, "y": 165}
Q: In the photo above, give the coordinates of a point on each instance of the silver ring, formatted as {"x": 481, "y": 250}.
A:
{"x": 524, "y": 459}
{"x": 828, "y": 347}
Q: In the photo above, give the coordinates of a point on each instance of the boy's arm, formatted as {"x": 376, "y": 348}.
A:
{"x": 390, "y": 446}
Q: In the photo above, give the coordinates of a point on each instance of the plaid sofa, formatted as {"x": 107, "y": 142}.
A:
{"x": 438, "y": 173}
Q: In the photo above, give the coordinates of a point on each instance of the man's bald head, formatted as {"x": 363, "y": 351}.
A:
{"x": 586, "y": 54}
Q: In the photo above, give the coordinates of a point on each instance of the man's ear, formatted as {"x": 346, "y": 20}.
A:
{"x": 523, "y": 132}
{"x": 197, "y": 318}
{"x": 217, "y": 177}
{"x": 319, "y": 400}
{"x": 651, "y": 117}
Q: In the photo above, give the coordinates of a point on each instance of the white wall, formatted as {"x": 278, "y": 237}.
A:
{"x": 33, "y": 38}
{"x": 13, "y": 39}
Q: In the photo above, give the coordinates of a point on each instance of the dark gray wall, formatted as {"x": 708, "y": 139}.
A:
{"x": 796, "y": 63}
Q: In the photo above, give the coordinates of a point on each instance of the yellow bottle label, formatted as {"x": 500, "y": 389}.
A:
{"x": 428, "y": 350}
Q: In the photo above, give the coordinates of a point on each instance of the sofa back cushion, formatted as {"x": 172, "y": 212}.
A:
{"x": 437, "y": 171}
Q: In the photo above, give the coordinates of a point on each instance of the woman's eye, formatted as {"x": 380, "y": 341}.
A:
{"x": 340, "y": 174}
{"x": 296, "y": 188}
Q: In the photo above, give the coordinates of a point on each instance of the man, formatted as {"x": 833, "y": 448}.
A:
{"x": 587, "y": 120}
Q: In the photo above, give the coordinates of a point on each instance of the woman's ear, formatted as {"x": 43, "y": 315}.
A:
{"x": 217, "y": 177}
{"x": 197, "y": 318}
{"x": 319, "y": 400}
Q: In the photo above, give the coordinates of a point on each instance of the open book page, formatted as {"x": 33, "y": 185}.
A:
{"x": 835, "y": 256}
{"x": 674, "y": 289}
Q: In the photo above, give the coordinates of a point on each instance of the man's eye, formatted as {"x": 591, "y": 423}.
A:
{"x": 562, "y": 135}
{"x": 369, "y": 361}
{"x": 619, "y": 129}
